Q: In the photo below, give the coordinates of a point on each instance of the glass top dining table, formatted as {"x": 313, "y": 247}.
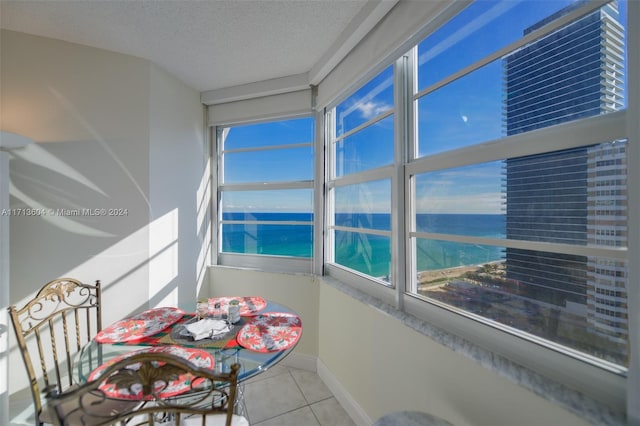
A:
{"x": 225, "y": 353}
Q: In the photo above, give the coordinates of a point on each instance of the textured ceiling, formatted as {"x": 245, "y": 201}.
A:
{"x": 208, "y": 44}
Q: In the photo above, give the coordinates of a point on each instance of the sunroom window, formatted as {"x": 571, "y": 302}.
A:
{"x": 513, "y": 150}
{"x": 265, "y": 188}
{"x": 361, "y": 152}
{"x": 518, "y": 231}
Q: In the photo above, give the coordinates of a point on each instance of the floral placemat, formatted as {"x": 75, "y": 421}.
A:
{"x": 249, "y": 305}
{"x": 174, "y": 335}
{"x": 268, "y": 332}
{"x": 139, "y": 326}
{"x": 180, "y": 385}
{"x": 179, "y": 336}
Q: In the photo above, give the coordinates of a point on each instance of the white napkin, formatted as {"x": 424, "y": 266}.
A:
{"x": 207, "y": 328}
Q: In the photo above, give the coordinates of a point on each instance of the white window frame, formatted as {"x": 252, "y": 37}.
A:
{"x": 381, "y": 290}
{"x": 615, "y": 386}
{"x": 263, "y": 262}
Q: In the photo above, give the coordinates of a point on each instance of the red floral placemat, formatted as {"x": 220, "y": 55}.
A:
{"x": 183, "y": 383}
{"x": 139, "y": 326}
{"x": 173, "y": 335}
{"x": 249, "y": 305}
{"x": 268, "y": 332}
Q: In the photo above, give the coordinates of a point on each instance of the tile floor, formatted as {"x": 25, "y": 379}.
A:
{"x": 280, "y": 396}
{"x": 285, "y": 396}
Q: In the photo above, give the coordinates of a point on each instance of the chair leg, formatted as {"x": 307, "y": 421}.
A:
{"x": 240, "y": 407}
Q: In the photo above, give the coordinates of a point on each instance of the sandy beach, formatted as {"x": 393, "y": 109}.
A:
{"x": 426, "y": 277}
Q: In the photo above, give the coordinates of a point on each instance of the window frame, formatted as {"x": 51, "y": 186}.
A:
{"x": 547, "y": 369}
{"x": 605, "y": 382}
{"x": 265, "y": 262}
{"x": 381, "y": 290}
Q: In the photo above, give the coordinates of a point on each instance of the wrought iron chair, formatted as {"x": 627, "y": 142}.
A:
{"x": 50, "y": 329}
{"x": 174, "y": 391}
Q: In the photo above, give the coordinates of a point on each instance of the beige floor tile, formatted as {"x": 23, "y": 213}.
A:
{"x": 329, "y": 412}
{"x": 271, "y": 397}
{"x": 300, "y": 417}
{"x": 312, "y": 387}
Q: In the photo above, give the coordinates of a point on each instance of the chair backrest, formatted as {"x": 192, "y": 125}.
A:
{"x": 169, "y": 389}
{"x": 51, "y": 328}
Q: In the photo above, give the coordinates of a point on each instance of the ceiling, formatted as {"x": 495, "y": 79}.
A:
{"x": 209, "y": 44}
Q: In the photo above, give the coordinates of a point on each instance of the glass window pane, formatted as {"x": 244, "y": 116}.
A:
{"x": 268, "y": 222}
{"x": 371, "y": 100}
{"x": 473, "y": 224}
{"x": 275, "y": 165}
{"x": 577, "y": 301}
{"x": 283, "y": 132}
{"x": 380, "y": 221}
{"x": 274, "y": 237}
{"x": 576, "y": 196}
{"x": 364, "y": 205}
{"x": 268, "y": 239}
{"x": 365, "y": 253}
{"x": 576, "y": 72}
{"x": 463, "y": 113}
{"x": 268, "y": 216}
{"x": 475, "y": 189}
{"x": 435, "y": 256}
{"x": 485, "y": 27}
{"x": 284, "y": 201}
{"x": 369, "y": 148}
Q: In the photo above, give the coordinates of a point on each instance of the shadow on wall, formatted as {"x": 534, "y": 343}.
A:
{"x": 67, "y": 215}
{"x": 137, "y": 260}
{"x": 122, "y": 295}
{"x": 90, "y": 222}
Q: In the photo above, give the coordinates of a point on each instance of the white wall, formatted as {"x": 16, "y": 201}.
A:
{"x": 377, "y": 364}
{"x": 111, "y": 132}
{"x": 87, "y": 110}
{"x": 179, "y": 192}
{"x": 397, "y": 368}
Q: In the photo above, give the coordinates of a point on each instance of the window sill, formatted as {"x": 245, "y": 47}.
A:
{"x": 572, "y": 400}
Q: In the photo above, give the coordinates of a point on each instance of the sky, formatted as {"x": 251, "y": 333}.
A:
{"x": 465, "y": 112}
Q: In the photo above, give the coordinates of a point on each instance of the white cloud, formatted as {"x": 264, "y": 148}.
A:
{"x": 370, "y": 109}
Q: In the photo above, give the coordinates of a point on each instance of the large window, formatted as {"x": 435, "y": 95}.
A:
{"x": 480, "y": 178}
{"x": 361, "y": 154}
{"x": 513, "y": 210}
{"x": 265, "y": 185}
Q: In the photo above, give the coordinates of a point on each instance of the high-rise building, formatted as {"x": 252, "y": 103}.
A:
{"x": 574, "y": 196}
{"x": 607, "y": 311}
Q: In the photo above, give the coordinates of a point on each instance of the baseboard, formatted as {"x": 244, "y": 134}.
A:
{"x": 342, "y": 396}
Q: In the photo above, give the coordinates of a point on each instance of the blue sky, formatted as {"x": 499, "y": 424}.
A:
{"x": 465, "y": 112}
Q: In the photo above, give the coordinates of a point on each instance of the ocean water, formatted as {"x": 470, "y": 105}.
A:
{"x": 370, "y": 254}
{"x": 279, "y": 240}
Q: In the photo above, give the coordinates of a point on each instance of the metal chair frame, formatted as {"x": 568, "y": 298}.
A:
{"x": 145, "y": 375}
{"x": 55, "y": 324}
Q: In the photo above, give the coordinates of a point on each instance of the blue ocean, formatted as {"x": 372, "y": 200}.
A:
{"x": 370, "y": 254}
